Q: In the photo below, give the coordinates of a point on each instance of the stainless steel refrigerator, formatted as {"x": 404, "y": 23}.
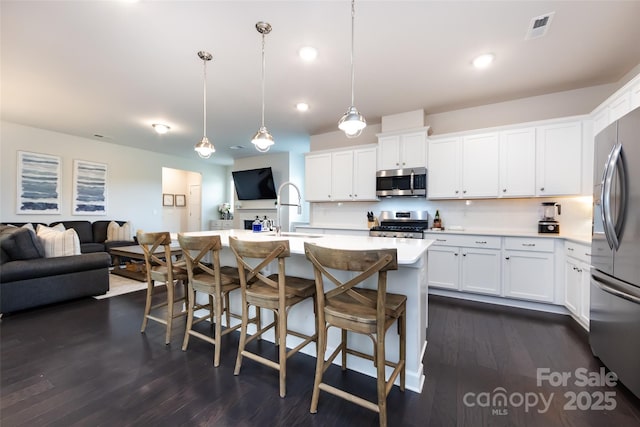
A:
{"x": 615, "y": 250}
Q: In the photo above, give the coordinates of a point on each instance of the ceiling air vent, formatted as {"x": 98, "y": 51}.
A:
{"x": 539, "y": 26}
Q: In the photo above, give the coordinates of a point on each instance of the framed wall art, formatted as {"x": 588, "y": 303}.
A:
{"x": 38, "y": 183}
{"x": 167, "y": 199}
{"x": 181, "y": 200}
{"x": 89, "y": 188}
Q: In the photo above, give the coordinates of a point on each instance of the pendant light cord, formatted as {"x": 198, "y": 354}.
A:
{"x": 204, "y": 103}
{"x": 353, "y": 14}
{"x": 263, "y": 72}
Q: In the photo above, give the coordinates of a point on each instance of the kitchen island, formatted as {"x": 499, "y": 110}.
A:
{"x": 410, "y": 279}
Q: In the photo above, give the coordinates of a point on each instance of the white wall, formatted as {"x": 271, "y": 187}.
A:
{"x": 134, "y": 182}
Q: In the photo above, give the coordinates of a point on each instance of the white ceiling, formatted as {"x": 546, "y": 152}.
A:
{"x": 113, "y": 68}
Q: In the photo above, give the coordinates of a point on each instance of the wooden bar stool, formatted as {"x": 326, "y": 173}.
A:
{"x": 215, "y": 281}
{"x": 365, "y": 311}
{"x": 276, "y": 292}
{"x": 161, "y": 268}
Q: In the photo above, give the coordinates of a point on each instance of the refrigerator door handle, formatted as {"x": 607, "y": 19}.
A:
{"x": 607, "y": 182}
{"x": 621, "y": 167}
{"x": 608, "y": 287}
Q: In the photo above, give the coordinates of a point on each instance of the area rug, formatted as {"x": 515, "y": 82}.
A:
{"x": 119, "y": 285}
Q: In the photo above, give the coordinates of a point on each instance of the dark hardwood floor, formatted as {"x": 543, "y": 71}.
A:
{"x": 86, "y": 363}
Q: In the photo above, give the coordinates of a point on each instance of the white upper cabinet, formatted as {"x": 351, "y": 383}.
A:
{"x": 620, "y": 106}
{"x": 517, "y": 170}
{"x": 443, "y": 171}
{"x": 627, "y": 98}
{"x": 317, "y": 186}
{"x": 559, "y": 159}
{"x": 402, "y": 150}
{"x": 463, "y": 167}
{"x": 364, "y": 174}
{"x": 480, "y": 165}
{"x": 341, "y": 175}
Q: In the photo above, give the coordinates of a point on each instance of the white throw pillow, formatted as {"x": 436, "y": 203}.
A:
{"x": 58, "y": 243}
{"x": 44, "y": 228}
{"x": 116, "y": 232}
{"x": 29, "y": 226}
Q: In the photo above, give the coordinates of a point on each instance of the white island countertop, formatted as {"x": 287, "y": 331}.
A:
{"x": 409, "y": 250}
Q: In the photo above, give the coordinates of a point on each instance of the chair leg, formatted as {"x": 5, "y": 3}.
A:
{"x": 322, "y": 346}
{"x": 344, "y": 349}
{"x": 170, "y": 305}
{"x": 381, "y": 380}
{"x": 218, "y": 331}
{"x": 403, "y": 348}
{"x": 243, "y": 336}
{"x": 282, "y": 357}
{"x": 226, "y": 310}
{"x": 185, "y": 341}
{"x": 147, "y": 306}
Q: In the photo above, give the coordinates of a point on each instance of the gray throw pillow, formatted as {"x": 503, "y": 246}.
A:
{"x": 22, "y": 244}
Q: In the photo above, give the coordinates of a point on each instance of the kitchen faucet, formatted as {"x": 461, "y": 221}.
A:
{"x": 299, "y": 205}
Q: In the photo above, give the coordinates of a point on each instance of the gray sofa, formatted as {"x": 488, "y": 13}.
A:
{"x": 28, "y": 279}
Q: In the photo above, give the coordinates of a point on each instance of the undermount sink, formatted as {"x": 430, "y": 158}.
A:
{"x": 301, "y": 235}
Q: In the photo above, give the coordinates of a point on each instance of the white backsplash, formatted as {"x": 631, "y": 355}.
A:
{"x": 519, "y": 215}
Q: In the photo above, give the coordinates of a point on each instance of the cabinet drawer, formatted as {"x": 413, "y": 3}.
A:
{"x": 528, "y": 244}
{"x": 578, "y": 251}
{"x": 489, "y": 242}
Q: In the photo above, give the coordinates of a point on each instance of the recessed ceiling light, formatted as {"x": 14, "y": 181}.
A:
{"x": 308, "y": 53}
{"x": 302, "y": 106}
{"x": 160, "y": 128}
{"x": 484, "y": 60}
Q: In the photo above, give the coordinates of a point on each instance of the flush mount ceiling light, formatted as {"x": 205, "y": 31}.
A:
{"x": 352, "y": 122}
{"x": 308, "y": 53}
{"x": 484, "y": 60}
{"x": 204, "y": 148}
{"x": 160, "y": 128}
{"x": 302, "y": 106}
{"x": 263, "y": 139}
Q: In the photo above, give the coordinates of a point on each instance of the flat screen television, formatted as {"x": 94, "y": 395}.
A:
{"x": 254, "y": 184}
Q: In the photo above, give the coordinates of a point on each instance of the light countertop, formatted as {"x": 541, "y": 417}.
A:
{"x": 510, "y": 233}
{"x": 409, "y": 250}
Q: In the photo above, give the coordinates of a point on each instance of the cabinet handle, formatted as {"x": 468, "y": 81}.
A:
{"x": 574, "y": 268}
{"x": 541, "y": 188}
{"x": 504, "y": 190}
{"x": 579, "y": 270}
{"x": 465, "y": 191}
{"x": 570, "y": 249}
{"x": 457, "y": 191}
{"x": 403, "y": 163}
{"x": 587, "y": 254}
{"x": 481, "y": 242}
{"x": 441, "y": 240}
{"x": 456, "y": 254}
{"x": 464, "y": 254}
{"x": 507, "y": 258}
{"x": 528, "y": 244}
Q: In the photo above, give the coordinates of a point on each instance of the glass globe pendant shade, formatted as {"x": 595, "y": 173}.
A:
{"x": 262, "y": 140}
{"x": 204, "y": 148}
{"x": 352, "y": 123}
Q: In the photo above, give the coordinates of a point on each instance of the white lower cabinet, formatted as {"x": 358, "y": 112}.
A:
{"x": 528, "y": 269}
{"x": 465, "y": 263}
{"x": 577, "y": 281}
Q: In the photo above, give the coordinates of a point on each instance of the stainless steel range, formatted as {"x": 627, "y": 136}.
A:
{"x": 404, "y": 224}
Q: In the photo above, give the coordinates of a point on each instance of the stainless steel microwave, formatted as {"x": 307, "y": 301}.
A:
{"x": 410, "y": 182}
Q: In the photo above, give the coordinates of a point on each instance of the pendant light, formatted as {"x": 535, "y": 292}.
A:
{"x": 204, "y": 148}
{"x": 352, "y": 122}
{"x": 263, "y": 139}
